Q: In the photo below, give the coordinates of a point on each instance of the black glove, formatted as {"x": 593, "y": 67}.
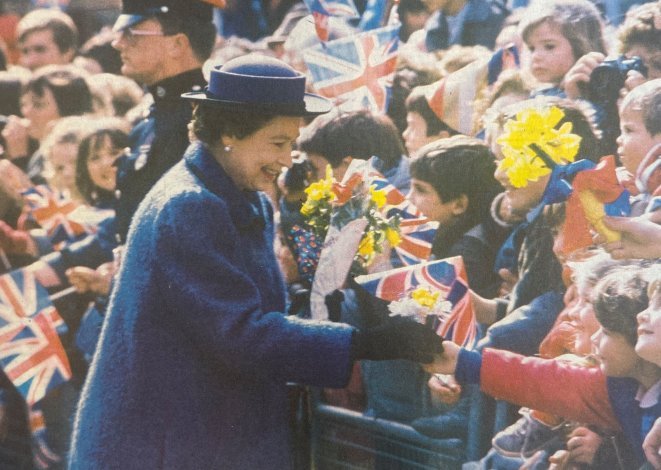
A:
{"x": 400, "y": 338}
{"x": 333, "y": 303}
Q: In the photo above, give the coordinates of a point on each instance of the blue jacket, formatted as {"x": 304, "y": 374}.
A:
{"x": 478, "y": 23}
{"x": 194, "y": 355}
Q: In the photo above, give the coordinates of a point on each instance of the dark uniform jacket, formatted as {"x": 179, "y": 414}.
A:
{"x": 156, "y": 144}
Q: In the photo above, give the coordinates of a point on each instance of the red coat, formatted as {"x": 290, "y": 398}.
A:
{"x": 564, "y": 389}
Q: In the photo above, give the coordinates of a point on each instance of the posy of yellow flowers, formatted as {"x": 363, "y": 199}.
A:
{"x": 537, "y": 125}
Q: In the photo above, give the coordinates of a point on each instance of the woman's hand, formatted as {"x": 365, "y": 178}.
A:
{"x": 583, "y": 445}
{"x": 652, "y": 445}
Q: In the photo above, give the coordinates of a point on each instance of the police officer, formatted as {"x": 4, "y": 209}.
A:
{"x": 163, "y": 44}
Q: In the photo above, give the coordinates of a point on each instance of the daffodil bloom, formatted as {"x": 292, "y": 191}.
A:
{"x": 536, "y": 126}
{"x": 424, "y": 297}
{"x": 378, "y": 196}
{"x": 366, "y": 247}
{"x": 322, "y": 189}
{"x": 393, "y": 237}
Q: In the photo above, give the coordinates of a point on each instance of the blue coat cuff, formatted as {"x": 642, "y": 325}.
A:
{"x": 469, "y": 364}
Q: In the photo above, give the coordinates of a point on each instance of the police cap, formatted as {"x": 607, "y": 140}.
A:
{"x": 136, "y": 11}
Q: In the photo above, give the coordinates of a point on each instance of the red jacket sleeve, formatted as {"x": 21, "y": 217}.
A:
{"x": 571, "y": 391}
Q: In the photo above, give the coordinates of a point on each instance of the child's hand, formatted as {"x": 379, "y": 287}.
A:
{"x": 652, "y": 445}
{"x": 13, "y": 180}
{"x": 17, "y": 139}
{"x": 633, "y": 79}
{"x": 583, "y": 445}
{"x": 90, "y": 280}
{"x": 509, "y": 279}
{"x": 641, "y": 238}
{"x": 446, "y": 362}
{"x": 578, "y": 76}
{"x": 444, "y": 388}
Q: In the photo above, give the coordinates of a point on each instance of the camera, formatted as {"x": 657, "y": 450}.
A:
{"x": 608, "y": 78}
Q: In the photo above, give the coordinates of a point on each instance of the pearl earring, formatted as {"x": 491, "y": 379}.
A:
{"x": 227, "y": 149}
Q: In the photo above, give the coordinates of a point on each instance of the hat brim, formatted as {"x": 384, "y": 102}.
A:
{"x": 314, "y": 104}
{"x": 126, "y": 21}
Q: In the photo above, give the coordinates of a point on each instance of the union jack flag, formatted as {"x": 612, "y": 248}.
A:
{"x": 31, "y": 353}
{"x": 452, "y": 97}
{"x": 323, "y": 9}
{"x": 357, "y": 71}
{"x": 446, "y": 276}
{"x": 417, "y": 232}
{"x": 62, "y": 218}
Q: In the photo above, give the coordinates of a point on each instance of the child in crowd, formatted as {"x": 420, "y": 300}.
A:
{"x": 622, "y": 395}
{"x": 423, "y": 126}
{"x": 60, "y": 151}
{"x": 336, "y": 139}
{"x": 95, "y": 167}
{"x": 648, "y": 347}
{"x": 512, "y": 86}
{"x": 638, "y": 37}
{"x": 528, "y": 253}
{"x": 452, "y": 183}
{"x": 640, "y": 124}
{"x": 569, "y": 340}
{"x": 557, "y": 33}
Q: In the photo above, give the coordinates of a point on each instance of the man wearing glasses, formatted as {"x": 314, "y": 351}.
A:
{"x": 163, "y": 44}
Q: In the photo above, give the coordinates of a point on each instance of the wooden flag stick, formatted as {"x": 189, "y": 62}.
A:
{"x": 5, "y": 260}
{"x": 62, "y": 293}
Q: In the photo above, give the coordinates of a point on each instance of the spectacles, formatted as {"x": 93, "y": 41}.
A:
{"x": 131, "y": 35}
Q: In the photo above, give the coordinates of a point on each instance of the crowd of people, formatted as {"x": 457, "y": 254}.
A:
{"x": 155, "y": 156}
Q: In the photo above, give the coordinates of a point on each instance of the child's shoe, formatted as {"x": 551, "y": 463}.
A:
{"x": 510, "y": 441}
{"x": 542, "y": 436}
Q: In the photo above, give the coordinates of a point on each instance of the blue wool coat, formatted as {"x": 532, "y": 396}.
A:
{"x": 194, "y": 355}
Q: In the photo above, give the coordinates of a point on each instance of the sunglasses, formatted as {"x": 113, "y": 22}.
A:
{"x": 131, "y": 35}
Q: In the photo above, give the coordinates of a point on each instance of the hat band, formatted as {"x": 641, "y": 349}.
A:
{"x": 288, "y": 91}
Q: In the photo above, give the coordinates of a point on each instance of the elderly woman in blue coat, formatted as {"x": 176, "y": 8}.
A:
{"x": 195, "y": 352}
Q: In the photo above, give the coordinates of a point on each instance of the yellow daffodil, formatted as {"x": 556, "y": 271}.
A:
{"x": 536, "y": 126}
{"x": 393, "y": 236}
{"x": 378, "y": 196}
{"x": 322, "y": 189}
{"x": 366, "y": 247}
{"x": 424, "y": 297}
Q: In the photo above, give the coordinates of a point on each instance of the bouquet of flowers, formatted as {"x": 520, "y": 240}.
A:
{"x": 423, "y": 304}
{"x": 361, "y": 220}
{"x": 535, "y": 144}
{"x": 332, "y": 203}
